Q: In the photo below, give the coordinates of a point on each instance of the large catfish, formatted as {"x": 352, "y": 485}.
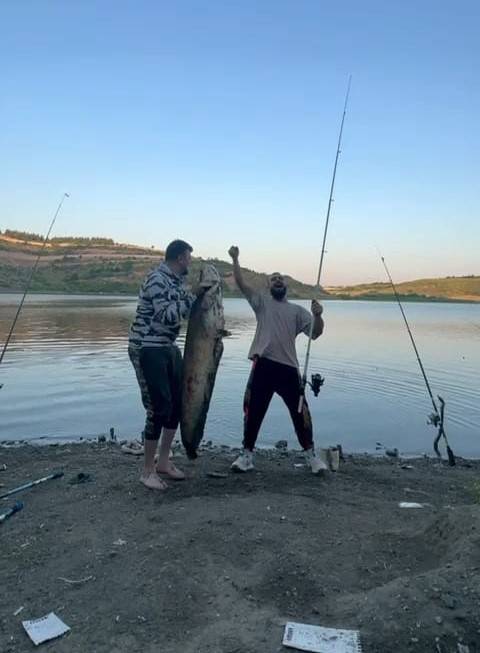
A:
{"x": 203, "y": 351}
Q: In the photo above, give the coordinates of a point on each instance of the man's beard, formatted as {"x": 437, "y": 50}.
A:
{"x": 278, "y": 293}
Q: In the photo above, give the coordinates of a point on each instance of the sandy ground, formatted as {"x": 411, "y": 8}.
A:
{"x": 220, "y": 564}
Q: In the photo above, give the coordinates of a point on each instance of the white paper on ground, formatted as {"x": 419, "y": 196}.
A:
{"x": 406, "y": 504}
{"x": 45, "y": 628}
{"x": 321, "y": 640}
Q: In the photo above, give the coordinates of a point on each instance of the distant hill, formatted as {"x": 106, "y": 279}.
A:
{"x": 449, "y": 288}
{"x": 99, "y": 265}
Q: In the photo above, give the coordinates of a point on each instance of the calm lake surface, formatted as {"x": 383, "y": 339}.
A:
{"x": 67, "y": 375}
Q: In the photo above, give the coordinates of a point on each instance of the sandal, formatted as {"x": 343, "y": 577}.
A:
{"x": 134, "y": 447}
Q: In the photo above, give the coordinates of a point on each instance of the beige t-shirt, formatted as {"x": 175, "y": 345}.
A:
{"x": 278, "y": 325}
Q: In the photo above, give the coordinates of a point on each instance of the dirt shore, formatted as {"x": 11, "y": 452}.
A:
{"x": 219, "y": 564}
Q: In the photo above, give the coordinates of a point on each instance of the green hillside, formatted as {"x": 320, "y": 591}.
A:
{"x": 87, "y": 265}
{"x": 449, "y": 288}
{"x": 99, "y": 265}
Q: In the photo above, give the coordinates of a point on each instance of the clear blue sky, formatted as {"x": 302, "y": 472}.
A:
{"x": 217, "y": 122}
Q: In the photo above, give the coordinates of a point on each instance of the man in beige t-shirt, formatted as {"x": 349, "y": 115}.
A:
{"x": 275, "y": 364}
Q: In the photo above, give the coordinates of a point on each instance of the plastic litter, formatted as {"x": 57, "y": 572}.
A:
{"x": 71, "y": 581}
{"x": 321, "y": 640}
{"x": 331, "y": 457}
{"x": 45, "y": 628}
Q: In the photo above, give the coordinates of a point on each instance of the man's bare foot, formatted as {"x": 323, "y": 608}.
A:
{"x": 153, "y": 481}
{"x": 171, "y": 471}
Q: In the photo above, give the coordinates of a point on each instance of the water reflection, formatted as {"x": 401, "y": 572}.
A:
{"x": 67, "y": 375}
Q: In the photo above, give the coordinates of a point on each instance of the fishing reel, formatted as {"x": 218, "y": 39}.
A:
{"x": 434, "y": 419}
{"x": 316, "y": 382}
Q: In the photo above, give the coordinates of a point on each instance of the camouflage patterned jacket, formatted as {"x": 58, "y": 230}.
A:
{"x": 162, "y": 305}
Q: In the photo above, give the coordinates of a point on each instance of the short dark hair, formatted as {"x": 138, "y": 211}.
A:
{"x": 176, "y": 249}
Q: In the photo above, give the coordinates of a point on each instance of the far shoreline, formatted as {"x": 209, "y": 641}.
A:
{"x": 324, "y": 298}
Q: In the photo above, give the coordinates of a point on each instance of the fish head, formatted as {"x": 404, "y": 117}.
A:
{"x": 212, "y": 301}
{"x": 209, "y": 276}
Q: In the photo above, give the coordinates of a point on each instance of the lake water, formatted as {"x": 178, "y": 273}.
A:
{"x": 67, "y": 375}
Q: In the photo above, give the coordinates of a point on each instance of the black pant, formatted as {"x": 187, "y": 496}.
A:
{"x": 266, "y": 378}
{"x": 159, "y": 376}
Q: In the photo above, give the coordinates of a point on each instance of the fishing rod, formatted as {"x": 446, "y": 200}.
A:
{"x": 30, "y": 484}
{"x": 11, "y": 511}
{"x": 317, "y": 381}
{"x": 29, "y": 280}
{"x": 436, "y": 418}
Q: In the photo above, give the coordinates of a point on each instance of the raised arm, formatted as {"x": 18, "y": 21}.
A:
{"x": 237, "y": 273}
